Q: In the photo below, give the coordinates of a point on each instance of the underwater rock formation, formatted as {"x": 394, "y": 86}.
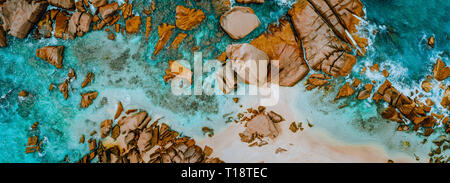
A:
{"x": 164, "y": 32}
{"x": 133, "y": 24}
{"x": 187, "y": 18}
{"x": 87, "y": 98}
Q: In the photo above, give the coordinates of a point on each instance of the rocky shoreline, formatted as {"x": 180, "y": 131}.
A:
{"x": 317, "y": 40}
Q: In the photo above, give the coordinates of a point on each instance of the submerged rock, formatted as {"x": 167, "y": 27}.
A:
{"x": 239, "y": 22}
{"x": 61, "y": 24}
{"x": 187, "y": 18}
{"x": 52, "y": 54}
{"x": 148, "y": 27}
{"x": 89, "y": 77}
{"x": 322, "y": 27}
{"x": 66, "y": 4}
{"x": 133, "y": 24}
{"x": 177, "y": 41}
{"x": 87, "y": 98}
{"x": 164, "y": 32}
{"x": 19, "y": 17}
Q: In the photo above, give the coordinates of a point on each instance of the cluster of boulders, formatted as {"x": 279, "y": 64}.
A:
{"x": 135, "y": 139}
{"x": 185, "y": 19}
{"x": 259, "y": 126}
{"x": 324, "y": 33}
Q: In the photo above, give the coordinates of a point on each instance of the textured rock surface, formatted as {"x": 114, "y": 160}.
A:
{"x": 239, "y": 22}
{"x": 177, "y": 41}
{"x": 107, "y": 10}
{"x": 177, "y": 70}
{"x": 61, "y": 24}
{"x": 345, "y": 91}
{"x": 440, "y": 70}
{"x": 164, "y": 32}
{"x": 98, "y": 3}
{"x": 87, "y": 98}
{"x": 445, "y": 102}
{"x": 249, "y": 63}
{"x": 19, "y": 17}
{"x": 79, "y": 24}
{"x": 322, "y": 26}
{"x": 142, "y": 142}
{"x": 66, "y": 4}
{"x": 52, "y": 54}
{"x": 133, "y": 25}
{"x": 187, "y": 18}
{"x": 279, "y": 43}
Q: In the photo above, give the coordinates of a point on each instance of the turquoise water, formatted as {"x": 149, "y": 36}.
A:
{"x": 126, "y": 70}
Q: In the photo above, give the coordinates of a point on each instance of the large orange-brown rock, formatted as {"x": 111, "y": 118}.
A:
{"x": 440, "y": 70}
{"x": 87, "y": 98}
{"x": 187, "y": 18}
{"x": 445, "y": 102}
{"x": 66, "y": 4}
{"x": 345, "y": 91}
{"x": 133, "y": 25}
{"x": 164, "y": 32}
{"x": 19, "y": 16}
{"x": 79, "y": 24}
{"x": 3, "y": 42}
{"x": 177, "y": 41}
{"x": 279, "y": 43}
{"x": 221, "y": 6}
{"x": 322, "y": 26}
{"x": 61, "y": 24}
{"x": 148, "y": 26}
{"x": 52, "y": 54}
{"x": 316, "y": 80}
{"x": 107, "y": 10}
{"x": 239, "y": 22}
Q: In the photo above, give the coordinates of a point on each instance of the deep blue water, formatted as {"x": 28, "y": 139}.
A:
{"x": 127, "y": 63}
